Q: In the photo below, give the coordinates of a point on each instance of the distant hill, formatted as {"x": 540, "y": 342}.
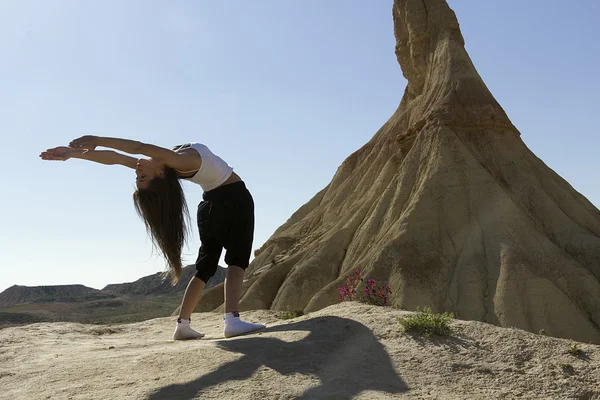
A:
{"x": 148, "y": 297}
{"x": 154, "y": 285}
{"x": 50, "y": 294}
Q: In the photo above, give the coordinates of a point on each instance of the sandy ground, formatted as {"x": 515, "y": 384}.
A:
{"x": 345, "y": 351}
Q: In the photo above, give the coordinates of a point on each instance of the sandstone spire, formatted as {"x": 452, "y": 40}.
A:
{"x": 447, "y": 204}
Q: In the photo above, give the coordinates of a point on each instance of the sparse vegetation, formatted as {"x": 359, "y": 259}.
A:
{"x": 427, "y": 323}
{"x": 575, "y": 351}
{"x": 9, "y": 318}
{"x": 290, "y": 314}
{"x": 105, "y": 330}
{"x": 567, "y": 368}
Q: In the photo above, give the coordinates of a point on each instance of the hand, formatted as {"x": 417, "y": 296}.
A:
{"x": 60, "y": 153}
{"x": 87, "y": 142}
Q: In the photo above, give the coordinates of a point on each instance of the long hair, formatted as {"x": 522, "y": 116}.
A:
{"x": 164, "y": 210}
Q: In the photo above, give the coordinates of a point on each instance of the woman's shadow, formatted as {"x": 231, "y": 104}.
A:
{"x": 344, "y": 354}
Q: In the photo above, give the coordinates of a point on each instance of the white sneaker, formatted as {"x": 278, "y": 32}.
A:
{"x": 183, "y": 331}
{"x": 234, "y": 326}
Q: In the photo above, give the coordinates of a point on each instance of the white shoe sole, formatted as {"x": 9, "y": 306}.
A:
{"x": 230, "y": 335}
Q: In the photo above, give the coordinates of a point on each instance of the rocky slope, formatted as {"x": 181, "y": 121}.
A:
{"x": 155, "y": 285}
{"x": 350, "y": 350}
{"x": 446, "y": 204}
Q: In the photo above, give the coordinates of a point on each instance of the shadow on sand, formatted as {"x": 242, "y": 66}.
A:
{"x": 343, "y": 354}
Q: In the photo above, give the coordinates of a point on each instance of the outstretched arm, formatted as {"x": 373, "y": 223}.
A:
{"x": 183, "y": 162}
{"x": 107, "y": 157}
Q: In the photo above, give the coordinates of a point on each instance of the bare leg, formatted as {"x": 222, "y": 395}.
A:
{"x": 192, "y": 294}
{"x": 233, "y": 288}
{"x": 191, "y": 297}
{"x": 233, "y": 291}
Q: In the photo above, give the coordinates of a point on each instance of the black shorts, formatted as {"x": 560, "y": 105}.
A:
{"x": 225, "y": 220}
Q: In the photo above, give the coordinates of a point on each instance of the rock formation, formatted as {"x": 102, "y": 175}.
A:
{"x": 446, "y": 204}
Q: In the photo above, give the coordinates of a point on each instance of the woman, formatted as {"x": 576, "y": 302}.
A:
{"x": 225, "y": 217}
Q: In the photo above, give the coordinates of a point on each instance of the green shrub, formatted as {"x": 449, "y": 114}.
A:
{"x": 427, "y": 323}
{"x": 575, "y": 351}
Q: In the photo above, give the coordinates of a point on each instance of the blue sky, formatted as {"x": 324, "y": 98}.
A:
{"x": 283, "y": 90}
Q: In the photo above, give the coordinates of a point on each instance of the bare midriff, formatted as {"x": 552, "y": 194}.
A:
{"x": 232, "y": 179}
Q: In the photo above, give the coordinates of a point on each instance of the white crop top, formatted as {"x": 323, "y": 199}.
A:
{"x": 213, "y": 171}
